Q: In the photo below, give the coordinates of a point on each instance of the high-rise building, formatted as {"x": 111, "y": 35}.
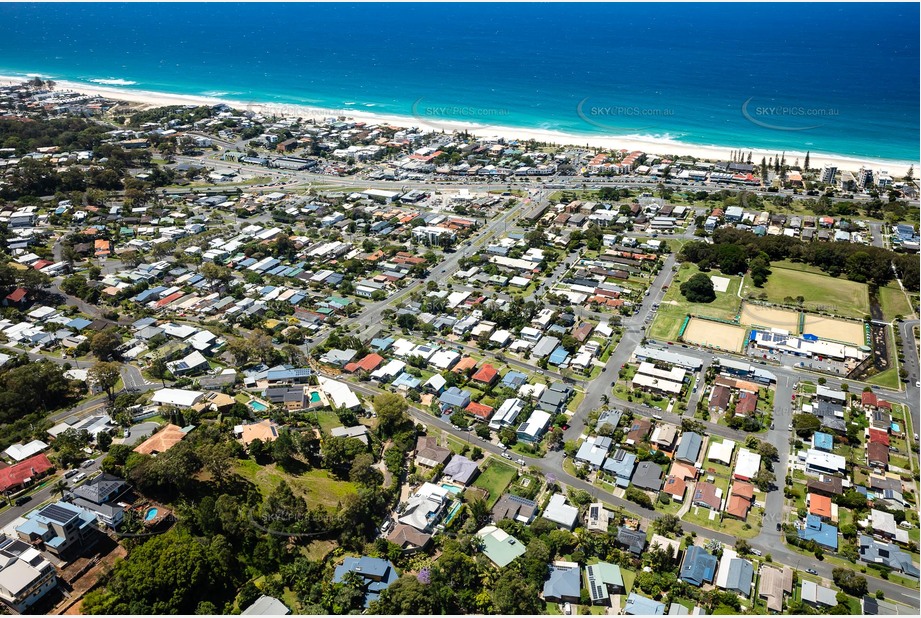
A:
{"x": 828, "y": 174}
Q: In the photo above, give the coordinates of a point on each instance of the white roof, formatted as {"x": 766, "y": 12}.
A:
{"x": 561, "y": 513}
{"x": 747, "y": 463}
{"x": 18, "y": 452}
{"x": 826, "y": 461}
{"x": 177, "y": 397}
{"x": 341, "y": 395}
{"x": 721, "y": 451}
{"x": 442, "y": 359}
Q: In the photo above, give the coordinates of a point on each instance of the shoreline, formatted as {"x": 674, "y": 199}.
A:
{"x": 629, "y": 142}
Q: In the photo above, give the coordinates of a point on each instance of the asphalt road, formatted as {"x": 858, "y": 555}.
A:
{"x": 44, "y": 494}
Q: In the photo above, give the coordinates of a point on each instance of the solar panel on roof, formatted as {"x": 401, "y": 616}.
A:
{"x": 57, "y": 513}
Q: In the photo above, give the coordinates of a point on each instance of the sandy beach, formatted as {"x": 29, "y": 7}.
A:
{"x": 630, "y": 143}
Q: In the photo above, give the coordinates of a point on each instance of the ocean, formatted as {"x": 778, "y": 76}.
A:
{"x": 828, "y": 78}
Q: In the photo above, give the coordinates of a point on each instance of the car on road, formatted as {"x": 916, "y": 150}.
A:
{"x": 507, "y": 456}
{"x": 87, "y": 463}
{"x": 790, "y": 427}
{"x": 22, "y": 500}
{"x": 757, "y": 552}
{"x": 812, "y": 571}
{"x": 78, "y": 477}
{"x": 519, "y": 461}
{"x": 69, "y": 473}
{"x": 778, "y": 526}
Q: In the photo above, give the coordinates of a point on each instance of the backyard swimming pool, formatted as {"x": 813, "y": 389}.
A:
{"x": 257, "y": 406}
{"x": 150, "y": 514}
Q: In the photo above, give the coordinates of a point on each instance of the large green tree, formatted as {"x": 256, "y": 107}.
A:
{"x": 698, "y": 289}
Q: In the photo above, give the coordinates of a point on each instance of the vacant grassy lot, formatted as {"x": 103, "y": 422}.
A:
{"x": 315, "y": 486}
{"x": 674, "y": 306}
{"x": 495, "y": 478}
{"x": 893, "y": 302}
{"x": 822, "y": 293}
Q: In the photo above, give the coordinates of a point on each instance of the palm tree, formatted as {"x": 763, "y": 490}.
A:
{"x": 59, "y": 487}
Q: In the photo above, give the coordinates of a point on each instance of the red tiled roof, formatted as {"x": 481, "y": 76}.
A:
{"x": 368, "y": 363}
{"x": 819, "y": 505}
{"x": 868, "y": 398}
{"x": 880, "y": 436}
{"x": 174, "y": 296}
{"x": 478, "y": 410}
{"x": 675, "y": 486}
{"x": 746, "y": 403}
{"x": 743, "y": 489}
{"x": 882, "y": 404}
{"x": 16, "y": 295}
{"x": 465, "y": 364}
{"x": 487, "y": 373}
{"x": 17, "y": 474}
{"x": 737, "y": 506}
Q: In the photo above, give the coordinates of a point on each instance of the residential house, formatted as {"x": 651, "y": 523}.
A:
{"x": 501, "y": 548}
{"x": 408, "y": 539}
{"x": 462, "y": 470}
{"x": 266, "y": 606}
{"x": 816, "y": 595}
{"x": 532, "y": 429}
{"x": 638, "y": 605}
{"x": 597, "y": 517}
{"x": 735, "y": 574}
{"x": 739, "y": 502}
{"x": 707, "y": 495}
{"x": 620, "y": 465}
{"x": 603, "y": 579}
{"x": 513, "y": 507}
{"x": 648, "y": 476}
{"x": 593, "y": 451}
{"x": 60, "y": 528}
{"x": 25, "y": 575}
{"x": 775, "y": 583}
{"x": 377, "y": 574}
{"x": 689, "y": 447}
{"x": 886, "y": 554}
{"x": 564, "y": 585}
{"x": 425, "y": 508}
{"x": 633, "y": 541}
{"x": 560, "y": 513}
{"x": 698, "y": 567}
{"x": 429, "y": 453}
{"x": 822, "y": 533}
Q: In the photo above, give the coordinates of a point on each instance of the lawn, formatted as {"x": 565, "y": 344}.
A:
{"x": 674, "y": 307}
{"x": 495, "y": 478}
{"x": 821, "y": 292}
{"x": 887, "y": 379}
{"x": 315, "y": 486}
{"x": 893, "y": 302}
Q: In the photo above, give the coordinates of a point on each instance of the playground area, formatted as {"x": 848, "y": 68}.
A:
{"x": 769, "y": 317}
{"x": 834, "y": 329}
{"x": 716, "y": 335}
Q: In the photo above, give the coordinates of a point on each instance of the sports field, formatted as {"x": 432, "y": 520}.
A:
{"x": 769, "y": 317}
{"x": 830, "y": 328}
{"x": 821, "y": 292}
{"x": 674, "y": 307}
{"x": 715, "y": 335}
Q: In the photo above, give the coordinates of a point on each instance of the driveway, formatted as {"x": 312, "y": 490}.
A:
{"x": 140, "y": 431}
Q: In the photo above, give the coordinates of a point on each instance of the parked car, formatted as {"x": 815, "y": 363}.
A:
{"x": 812, "y": 571}
{"x": 779, "y": 527}
{"x": 519, "y": 461}
{"x": 22, "y": 500}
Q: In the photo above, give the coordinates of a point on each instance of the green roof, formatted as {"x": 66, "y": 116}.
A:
{"x": 499, "y": 547}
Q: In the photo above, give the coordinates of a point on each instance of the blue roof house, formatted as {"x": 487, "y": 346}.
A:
{"x": 822, "y": 441}
{"x": 564, "y": 584}
{"x": 378, "y": 574}
{"x": 699, "y": 566}
{"x": 816, "y": 530}
{"x": 638, "y": 605}
{"x": 454, "y": 398}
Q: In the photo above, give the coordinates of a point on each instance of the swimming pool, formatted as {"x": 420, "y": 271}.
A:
{"x": 453, "y": 512}
{"x": 314, "y": 397}
{"x": 451, "y": 488}
{"x": 150, "y": 514}
{"x": 257, "y": 406}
